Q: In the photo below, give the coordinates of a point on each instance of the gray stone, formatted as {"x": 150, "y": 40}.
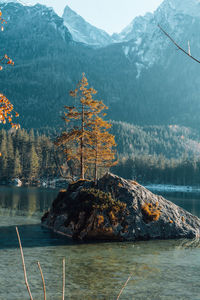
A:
{"x": 165, "y": 220}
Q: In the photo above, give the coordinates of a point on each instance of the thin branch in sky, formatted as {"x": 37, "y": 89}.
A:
{"x": 179, "y": 47}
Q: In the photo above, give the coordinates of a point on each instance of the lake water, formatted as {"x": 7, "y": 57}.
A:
{"x": 167, "y": 270}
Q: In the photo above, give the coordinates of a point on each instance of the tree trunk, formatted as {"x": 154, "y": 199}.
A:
{"x": 82, "y": 145}
{"x": 96, "y": 167}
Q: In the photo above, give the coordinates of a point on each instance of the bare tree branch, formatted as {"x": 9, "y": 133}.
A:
{"x": 125, "y": 284}
{"x": 179, "y": 47}
{"x": 63, "y": 290}
{"x": 24, "y": 266}
{"x": 43, "y": 281}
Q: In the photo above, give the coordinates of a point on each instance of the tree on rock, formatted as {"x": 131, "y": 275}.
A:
{"x": 87, "y": 134}
{"x": 102, "y": 154}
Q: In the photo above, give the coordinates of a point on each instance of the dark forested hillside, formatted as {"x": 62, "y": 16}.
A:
{"x": 144, "y": 81}
{"x": 170, "y": 141}
{"x": 148, "y": 154}
{"x": 26, "y": 155}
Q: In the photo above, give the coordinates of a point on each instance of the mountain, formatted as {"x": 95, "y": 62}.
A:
{"x": 145, "y": 43}
{"x": 38, "y": 42}
{"x": 84, "y": 32}
{"x": 143, "y": 78}
{"x": 15, "y": 1}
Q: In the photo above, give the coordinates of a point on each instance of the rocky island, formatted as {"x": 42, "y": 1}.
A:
{"x": 116, "y": 209}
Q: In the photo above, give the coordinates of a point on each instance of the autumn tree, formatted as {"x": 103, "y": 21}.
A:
{"x": 6, "y": 107}
{"x": 77, "y": 138}
{"x": 85, "y": 126}
{"x": 101, "y": 153}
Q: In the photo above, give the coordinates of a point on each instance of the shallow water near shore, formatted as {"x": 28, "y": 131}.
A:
{"x": 160, "y": 269}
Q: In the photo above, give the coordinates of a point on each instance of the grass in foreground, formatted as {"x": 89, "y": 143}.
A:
{"x": 42, "y": 276}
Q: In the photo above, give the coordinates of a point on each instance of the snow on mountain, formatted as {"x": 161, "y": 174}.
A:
{"x": 187, "y": 7}
{"x": 43, "y": 13}
{"x": 144, "y": 42}
{"x": 25, "y": 3}
{"x": 141, "y": 41}
{"x": 84, "y": 32}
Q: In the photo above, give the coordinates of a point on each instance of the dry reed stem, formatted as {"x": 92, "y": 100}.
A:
{"x": 122, "y": 289}
{"x": 24, "y": 266}
{"x": 63, "y": 297}
{"x": 43, "y": 281}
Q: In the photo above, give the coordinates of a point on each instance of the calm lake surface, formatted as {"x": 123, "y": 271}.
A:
{"x": 168, "y": 270}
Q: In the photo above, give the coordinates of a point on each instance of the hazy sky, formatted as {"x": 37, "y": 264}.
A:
{"x": 110, "y": 15}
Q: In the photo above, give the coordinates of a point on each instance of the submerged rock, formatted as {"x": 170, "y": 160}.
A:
{"x": 118, "y": 209}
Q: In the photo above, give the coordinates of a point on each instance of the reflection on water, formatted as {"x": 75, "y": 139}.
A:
{"x": 167, "y": 270}
{"x": 189, "y": 201}
{"x": 29, "y": 202}
{"x": 161, "y": 270}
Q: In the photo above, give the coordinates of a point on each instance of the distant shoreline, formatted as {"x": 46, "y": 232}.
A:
{"x": 172, "y": 188}
{"x": 60, "y": 182}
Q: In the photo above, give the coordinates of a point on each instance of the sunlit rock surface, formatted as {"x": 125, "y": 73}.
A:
{"x": 118, "y": 209}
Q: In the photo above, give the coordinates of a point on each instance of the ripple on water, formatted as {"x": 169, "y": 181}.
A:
{"x": 167, "y": 270}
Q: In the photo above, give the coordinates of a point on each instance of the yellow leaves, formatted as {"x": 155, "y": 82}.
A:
{"x": 151, "y": 212}
{"x": 10, "y": 62}
{"x": 6, "y": 110}
{"x": 2, "y": 21}
{"x": 88, "y": 139}
{"x": 72, "y": 93}
{"x": 6, "y": 60}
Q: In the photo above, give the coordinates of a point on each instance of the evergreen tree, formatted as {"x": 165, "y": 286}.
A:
{"x": 33, "y": 164}
{"x": 10, "y": 156}
{"x": 3, "y": 157}
{"x": 17, "y": 165}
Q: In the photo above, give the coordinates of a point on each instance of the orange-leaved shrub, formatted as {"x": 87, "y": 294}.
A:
{"x": 151, "y": 211}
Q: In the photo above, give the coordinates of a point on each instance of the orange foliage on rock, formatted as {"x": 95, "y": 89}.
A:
{"x": 100, "y": 220}
{"x": 151, "y": 211}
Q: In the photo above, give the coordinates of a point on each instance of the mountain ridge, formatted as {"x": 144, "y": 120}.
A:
{"x": 144, "y": 81}
{"x": 84, "y": 32}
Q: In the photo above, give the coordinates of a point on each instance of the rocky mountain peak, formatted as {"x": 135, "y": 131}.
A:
{"x": 187, "y": 7}
{"x": 16, "y": 1}
{"x": 84, "y": 32}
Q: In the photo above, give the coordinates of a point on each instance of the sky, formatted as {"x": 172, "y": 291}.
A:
{"x": 110, "y": 15}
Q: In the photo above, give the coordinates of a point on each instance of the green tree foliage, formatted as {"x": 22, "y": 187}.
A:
{"x": 160, "y": 170}
{"x": 17, "y": 171}
{"x": 33, "y": 163}
{"x": 27, "y": 156}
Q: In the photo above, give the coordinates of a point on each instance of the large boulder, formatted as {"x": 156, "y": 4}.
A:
{"x": 117, "y": 209}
